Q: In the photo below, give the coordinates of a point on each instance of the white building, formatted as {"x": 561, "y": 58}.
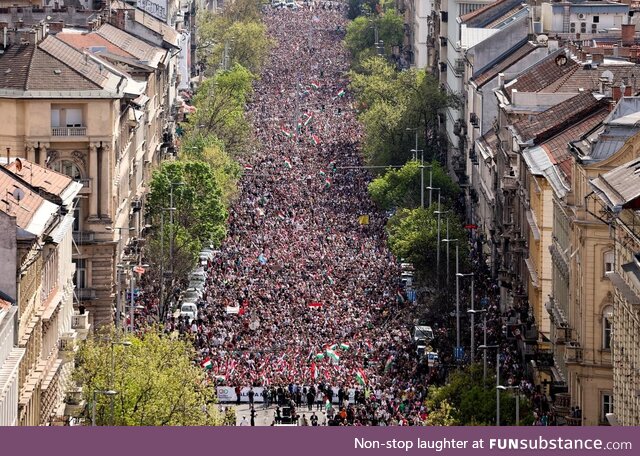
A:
{"x": 583, "y": 17}
{"x": 10, "y": 357}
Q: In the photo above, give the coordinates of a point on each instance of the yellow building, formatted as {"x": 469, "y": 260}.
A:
{"x": 616, "y": 198}
{"x": 92, "y": 106}
{"x": 581, "y": 303}
{"x": 38, "y": 214}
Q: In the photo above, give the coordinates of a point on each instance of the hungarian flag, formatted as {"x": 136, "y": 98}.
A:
{"x": 315, "y": 140}
{"x": 367, "y": 342}
{"x": 327, "y": 183}
{"x": 315, "y": 85}
{"x": 287, "y": 163}
{"x": 341, "y": 93}
{"x": 319, "y": 356}
{"x": 400, "y": 297}
{"x": 309, "y": 117}
{"x": 207, "y": 363}
{"x": 285, "y": 132}
{"x": 333, "y": 355}
{"x": 322, "y": 174}
{"x": 248, "y": 168}
{"x": 315, "y": 304}
{"x": 344, "y": 347}
{"x": 314, "y": 370}
{"x": 361, "y": 377}
{"x": 389, "y": 363}
{"x": 281, "y": 215}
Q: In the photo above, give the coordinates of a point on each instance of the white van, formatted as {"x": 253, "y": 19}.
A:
{"x": 189, "y": 309}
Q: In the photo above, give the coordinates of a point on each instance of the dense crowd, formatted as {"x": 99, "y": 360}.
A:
{"x": 304, "y": 295}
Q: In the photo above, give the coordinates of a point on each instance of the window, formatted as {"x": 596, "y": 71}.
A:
{"x": 68, "y": 168}
{"x": 66, "y": 116}
{"x": 606, "y": 405}
{"x": 607, "y": 327}
{"x": 608, "y": 261}
{"x": 596, "y": 19}
{"x": 80, "y": 280}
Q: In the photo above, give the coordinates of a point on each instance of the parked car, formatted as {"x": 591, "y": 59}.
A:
{"x": 190, "y": 310}
{"x": 199, "y": 274}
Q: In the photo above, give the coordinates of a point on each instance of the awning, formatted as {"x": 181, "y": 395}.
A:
{"x": 534, "y": 226}
{"x": 63, "y": 228}
{"x": 532, "y": 271}
{"x": 624, "y": 289}
{"x": 141, "y": 100}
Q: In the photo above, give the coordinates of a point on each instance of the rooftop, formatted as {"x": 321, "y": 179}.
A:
{"x": 32, "y": 211}
{"x": 620, "y": 186}
{"x": 540, "y": 127}
{"x": 47, "y": 179}
{"x": 486, "y": 74}
{"x": 493, "y": 14}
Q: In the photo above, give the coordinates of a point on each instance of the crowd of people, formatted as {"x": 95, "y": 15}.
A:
{"x": 304, "y": 294}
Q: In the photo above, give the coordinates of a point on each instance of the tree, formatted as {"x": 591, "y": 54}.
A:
{"x": 197, "y": 202}
{"x": 361, "y": 32}
{"x": 443, "y": 415}
{"x": 392, "y": 102}
{"x": 220, "y": 112}
{"x": 244, "y": 38}
{"x": 470, "y": 402}
{"x": 156, "y": 381}
{"x": 413, "y": 236}
{"x": 226, "y": 170}
{"x": 400, "y": 188}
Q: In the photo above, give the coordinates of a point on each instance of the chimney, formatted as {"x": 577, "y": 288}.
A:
{"x": 500, "y": 80}
{"x": 628, "y": 34}
{"x": 32, "y": 36}
{"x": 598, "y": 59}
{"x": 55, "y": 27}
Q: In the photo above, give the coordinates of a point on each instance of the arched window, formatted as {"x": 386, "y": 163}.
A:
{"x": 68, "y": 168}
{"x": 607, "y": 327}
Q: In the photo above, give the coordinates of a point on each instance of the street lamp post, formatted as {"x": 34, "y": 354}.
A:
{"x": 118, "y": 284}
{"x": 458, "y": 276}
{"x": 438, "y": 212}
{"x": 517, "y": 391}
{"x": 473, "y": 313}
{"x": 124, "y": 343}
{"x": 93, "y": 404}
{"x": 448, "y": 241}
{"x": 486, "y": 347}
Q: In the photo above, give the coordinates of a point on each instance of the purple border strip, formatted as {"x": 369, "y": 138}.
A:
{"x": 238, "y": 441}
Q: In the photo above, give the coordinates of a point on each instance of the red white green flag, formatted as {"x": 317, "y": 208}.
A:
{"x": 315, "y": 85}
{"x": 315, "y": 304}
{"x": 285, "y": 132}
{"x": 389, "y": 363}
{"x": 287, "y": 163}
{"x": 207, "y": 363}
{"x": 309, "y": 117}
{"x": 361, "y": 377}
{"x": 341, "y": 93}
{"x": 248, "y": 168}
{"x": 315, "y": 140}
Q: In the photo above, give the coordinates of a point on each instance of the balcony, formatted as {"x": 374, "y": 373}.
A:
{"x": 572, "y": 353}
{"x": 86, "y": 294}
{"x": 80, "y": 322}
{"x": 84, "y": 237}
{"x": 68, "y": 131}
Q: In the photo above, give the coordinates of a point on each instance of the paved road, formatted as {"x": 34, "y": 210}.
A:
{"x": 265, "y": 416}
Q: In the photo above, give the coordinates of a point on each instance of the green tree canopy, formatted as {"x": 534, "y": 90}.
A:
{"x": 244, "y": 38}
{"x": 361, "y": 32}
{"x": 156, "y": 381}
{"x": 220, "y": 112}
{"x": 198, "y": 201}
{"x": 468, "y": 402}
{"x": 413, "y": 235}
{"x": 401, "y": 187}
{"x": 391, "y": 103}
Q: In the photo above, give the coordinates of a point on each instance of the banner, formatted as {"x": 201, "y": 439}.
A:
{"x": 228, "y": 394}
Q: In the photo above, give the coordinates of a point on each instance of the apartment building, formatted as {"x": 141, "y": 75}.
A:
{"x": 615, "y": 198}
{"x": 38, "y": 216}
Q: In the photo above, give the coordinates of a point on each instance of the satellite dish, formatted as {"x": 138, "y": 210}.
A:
{"x": 18, "y": 194}
{"x": 608, "y": 75}
{"x": 18, "y": 165}
{"x": 542, "y": 39}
